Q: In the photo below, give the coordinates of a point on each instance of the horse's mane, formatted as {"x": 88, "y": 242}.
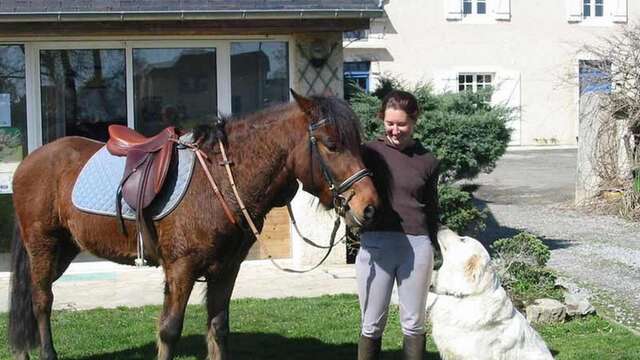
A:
{"x": 338, "y": 113}
{"x": 335, "y": 111}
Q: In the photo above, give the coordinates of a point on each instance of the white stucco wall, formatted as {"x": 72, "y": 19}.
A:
{"x": 316, "y": 224}
{"x": 534, "y": 53}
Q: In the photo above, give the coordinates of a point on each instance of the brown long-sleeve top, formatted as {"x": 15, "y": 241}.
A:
{"x": 407, "y": 182}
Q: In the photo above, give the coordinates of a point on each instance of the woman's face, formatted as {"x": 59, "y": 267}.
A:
{"x": 398, "y": 128}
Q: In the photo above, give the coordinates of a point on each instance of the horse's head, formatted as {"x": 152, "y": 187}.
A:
{"x": 328, "y": 162}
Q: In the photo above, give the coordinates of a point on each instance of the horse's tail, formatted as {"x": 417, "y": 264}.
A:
{"x": 22, "y": 321}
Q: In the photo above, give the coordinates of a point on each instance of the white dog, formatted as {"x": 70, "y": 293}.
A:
{"x": 471, "y": 314}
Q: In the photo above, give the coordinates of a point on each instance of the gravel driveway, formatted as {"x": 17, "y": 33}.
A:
{"x": 534, "y": 191}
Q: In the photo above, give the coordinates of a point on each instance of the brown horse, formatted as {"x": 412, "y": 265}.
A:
{"x": 314, "y": 140}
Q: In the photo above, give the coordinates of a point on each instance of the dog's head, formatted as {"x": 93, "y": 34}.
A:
{"x": 466, "y": 267}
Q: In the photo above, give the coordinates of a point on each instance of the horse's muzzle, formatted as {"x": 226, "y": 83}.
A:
{"x": 369, "y": 214}
{"x": 357, "y": 222}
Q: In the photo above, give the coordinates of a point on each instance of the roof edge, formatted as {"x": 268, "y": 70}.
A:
{"x": 186, "y": 15}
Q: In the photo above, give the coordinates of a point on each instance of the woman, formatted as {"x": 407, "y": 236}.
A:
{"x": 397, "y": 246}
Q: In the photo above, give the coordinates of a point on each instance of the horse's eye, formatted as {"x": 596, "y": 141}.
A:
{"x": 330, "y": 145}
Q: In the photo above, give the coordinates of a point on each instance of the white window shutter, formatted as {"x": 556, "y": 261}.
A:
{"x": 507, "y": 93}
{"x": 619, "y": 11}
{"x": 574, "y": 10}
{"x": 453, "y": 9}
{"x": 502, "y": 9}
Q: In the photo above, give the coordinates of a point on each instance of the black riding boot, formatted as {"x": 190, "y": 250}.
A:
{"x": 368, "y": 348}
{"x": 413, "y": 347}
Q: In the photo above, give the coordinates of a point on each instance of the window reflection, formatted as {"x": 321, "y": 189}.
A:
{"x": 13, "y": 132}
{"x": 259, "y": 75}
{"x": 83, "y": 92}
{"x": 173, "y": 87}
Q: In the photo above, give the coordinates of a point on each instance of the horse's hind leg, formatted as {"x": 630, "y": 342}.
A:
{"x": 218, "y": 295}
{"x": 50, "y": 256}
{"x": 49, "y": 261}
{"x": 179, "y": 280}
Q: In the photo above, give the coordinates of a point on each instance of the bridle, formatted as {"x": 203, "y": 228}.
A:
{"x": 340, "y": 201}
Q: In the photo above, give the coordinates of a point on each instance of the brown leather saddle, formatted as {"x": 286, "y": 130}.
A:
{"x": 146, "y": 168}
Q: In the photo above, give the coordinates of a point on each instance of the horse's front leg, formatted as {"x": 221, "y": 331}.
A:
{"x": 219, "y": 291}
{"x": 179, "y": 280}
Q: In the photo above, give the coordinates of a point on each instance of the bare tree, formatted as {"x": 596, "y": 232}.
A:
{"x": 615, "y": 76}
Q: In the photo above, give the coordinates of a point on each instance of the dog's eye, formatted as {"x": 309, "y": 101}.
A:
{"x": 463, "y": 239}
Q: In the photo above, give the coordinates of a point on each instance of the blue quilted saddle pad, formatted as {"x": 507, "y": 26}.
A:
{"x": 95, "y": 188}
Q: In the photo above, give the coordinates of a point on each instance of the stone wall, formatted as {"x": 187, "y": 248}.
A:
{"x": 317, "y": 71}
{"x": 602, "y": 157}
{"x": 318, "y": 64}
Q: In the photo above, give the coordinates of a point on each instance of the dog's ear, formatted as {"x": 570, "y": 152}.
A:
{"x": 473, "y": 268}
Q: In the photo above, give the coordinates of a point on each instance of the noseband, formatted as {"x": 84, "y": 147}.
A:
{"x": 340, "y": 202}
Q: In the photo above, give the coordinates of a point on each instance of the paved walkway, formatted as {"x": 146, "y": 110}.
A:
{"x": 534, "y": 191}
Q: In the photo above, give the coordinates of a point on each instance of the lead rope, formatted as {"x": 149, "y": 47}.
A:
{"x": 304, "y": 238}
{"x": 255, "y": 231}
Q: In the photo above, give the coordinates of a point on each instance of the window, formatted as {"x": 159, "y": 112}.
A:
{"x": 355, "y": 35}
{"x": 592, "y": 8}
{"x": 173, "y": 87}
{"x": 474, "y": 81}
{"x": 358, "y": 73}
{"x": 82, "y": 92}
{"x": 13, "y": 131}
{"x": 474, "y": 7}
{"x": 597, "y": 12}
{"x": 595, "y": 77}
{"x": 87, "y": 86}
{"x": 259, "y": 75}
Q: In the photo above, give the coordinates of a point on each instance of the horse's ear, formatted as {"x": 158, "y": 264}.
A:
{"x": 304, "y": 103}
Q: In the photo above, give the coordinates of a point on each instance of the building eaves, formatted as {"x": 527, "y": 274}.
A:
{"x": 183, "y": 10}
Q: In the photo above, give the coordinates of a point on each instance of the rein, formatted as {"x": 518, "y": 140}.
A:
{"x": 304, "y": 238}
{"x": 340, "y": 202}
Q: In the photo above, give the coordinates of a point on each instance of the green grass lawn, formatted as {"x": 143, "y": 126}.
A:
{"x": 317, "y": 328}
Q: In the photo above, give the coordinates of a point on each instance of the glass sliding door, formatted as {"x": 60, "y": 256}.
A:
{"x": 82, "y": 92}
{"x": 13, "y": 131}
{"x": 174, "y": 87}
{"x": 259, "y": 75}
